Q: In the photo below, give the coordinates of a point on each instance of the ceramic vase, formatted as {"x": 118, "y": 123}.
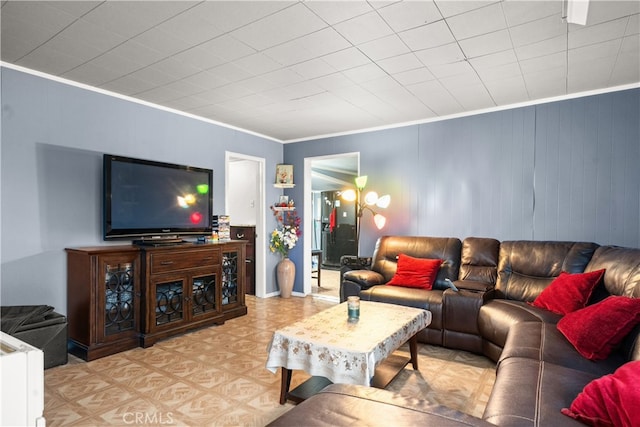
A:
{"x": 286, "y": 274}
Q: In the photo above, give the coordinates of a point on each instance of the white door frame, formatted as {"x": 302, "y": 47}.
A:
{"x": 308, "y": 222}
{"x": 261, "y": 243}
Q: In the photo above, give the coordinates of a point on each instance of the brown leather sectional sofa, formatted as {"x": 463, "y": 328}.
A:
{"x": 539, "y": 372}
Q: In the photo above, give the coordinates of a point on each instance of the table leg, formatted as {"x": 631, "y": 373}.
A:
{"x": 413, "y": 348}
{"x": 285, "y": 383}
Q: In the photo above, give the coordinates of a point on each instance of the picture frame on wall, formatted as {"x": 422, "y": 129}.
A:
{"x": 284, "y": 174}
{"x": 284, "y": 200}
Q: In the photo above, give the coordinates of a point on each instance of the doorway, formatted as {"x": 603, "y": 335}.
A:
{"x": 330, "y": 225}
{"x": 244, "y": 202}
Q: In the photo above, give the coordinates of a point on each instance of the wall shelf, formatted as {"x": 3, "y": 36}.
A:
{"x": 284, "y": 185}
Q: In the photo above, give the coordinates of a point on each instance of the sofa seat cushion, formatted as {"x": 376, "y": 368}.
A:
{"x": 351, "y": 405}
{"x": 411, "y": 297}
{"x": 533, "y": 392}
{"x": 496, "y": 317}
{"x": 542, "y": 341}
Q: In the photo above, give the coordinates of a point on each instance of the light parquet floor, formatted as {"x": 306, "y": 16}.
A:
{"x": 216, "y": 377}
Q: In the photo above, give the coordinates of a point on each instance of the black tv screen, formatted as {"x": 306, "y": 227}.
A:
{"x": 147, "y": 199}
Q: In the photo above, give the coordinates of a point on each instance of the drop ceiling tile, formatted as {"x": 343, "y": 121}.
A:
{"x": 282, "y": 77}
{"x": 427, "y": 36}
{"x": 364, "y": 73}
{"x": 142, "y": 54}
{"x": 231, "y": 72}
{"x": 593, "y": 52}
{"x": 498, "y": 73}
{"x": 541, "y": 63}
{"x": 13, "y": 48}
{"x": 332, "y": 13}
{"x": 280, "y": 27}
{"x": 472, "y": 97}
{"x": 519, "y": 12}
{"x": 346, "y": 58}
{"x": 384, "y": 47}
{"x": 175, "y": 68}
{"x": 199, "y": 58}
{"x": 310, "y": 46}
{"x": 493, "y": 60}
{"x": 403, "y": 16}
{"x": 444, "y": 54}
{"x": 436, "y": 97}
{"x": 400, "y": 63}
{"x": 227, "y": 48}
{"x": 460, "y": 80}
{"x": 134, "y": 17}
{"x": 313, "y": 68}
{"x": 442, "y": 71}
{"x": 381, "y": 85}
{"x": 233, "y": 91}
{"x": 591, "y": 74}
{"x": 129, "y": 85}
{"x": 507, "y": 91}
{"x": 231, "y": 15}
{"x": 206, "y": 80}
{"x": 84, "y": 32}
{"x": 627, "y": 68}
{"x": 153, "y": 75}
{"x": 410, "y": 77}
{"x": 477, "y": 22}
{"x": 594, "y": 34}
{"x": 485, "y": 44}
{"x": 258, "y": 84}
{"x": 74, "y": 8}
{"x": 602, "y": 11}
{"x": 257, "y": 64}
{"x": 93, "y": 73}
{"x": 633, "y": 26}
{"x": 161, "y": 41}
{"x": 191, "y": 26}
{"x": 537, "y": 31}
{"x": 542, "y": 48}
{"x": 451, "y": 8}
{"x": 546, "y": 83}
{"x": 363, "y": 28}
{"x": 54, "y": 61}
{"x": 333, "y": 82}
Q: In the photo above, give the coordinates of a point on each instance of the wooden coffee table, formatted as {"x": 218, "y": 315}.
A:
{"x": 334, "y": 350}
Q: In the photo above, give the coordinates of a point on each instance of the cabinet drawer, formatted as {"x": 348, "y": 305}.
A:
{"x": 172, "y": 261}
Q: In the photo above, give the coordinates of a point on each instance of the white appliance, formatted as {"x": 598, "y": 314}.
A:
{"x": 22, "y": 379}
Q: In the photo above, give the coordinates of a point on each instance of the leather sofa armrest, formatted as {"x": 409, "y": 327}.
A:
{"x": 364, "y": 278}
{"x": 355, "y": 281}
{"x": 472, "y": 285}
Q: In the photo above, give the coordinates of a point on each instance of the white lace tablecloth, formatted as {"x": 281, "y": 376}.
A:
{"x": 328, "y": 345}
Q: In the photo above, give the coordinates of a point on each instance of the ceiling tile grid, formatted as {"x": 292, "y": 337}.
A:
{"x": 294, "y": 70}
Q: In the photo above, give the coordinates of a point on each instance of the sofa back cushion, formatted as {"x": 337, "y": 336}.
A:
{"x": 385, "y": 255}
{"x": 526, "y": 267}
{"x": 622, "y": 265}
{"x": 479, "y": 260}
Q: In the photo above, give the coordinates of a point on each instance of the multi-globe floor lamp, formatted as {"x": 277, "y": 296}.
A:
{"x": 370, "y": 200}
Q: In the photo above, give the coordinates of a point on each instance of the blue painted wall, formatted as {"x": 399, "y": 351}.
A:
{"x": 53, "y": 138}
{"x": 559, "y": 171}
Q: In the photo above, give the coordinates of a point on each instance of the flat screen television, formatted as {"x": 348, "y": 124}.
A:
{"x": 154, "y": 202}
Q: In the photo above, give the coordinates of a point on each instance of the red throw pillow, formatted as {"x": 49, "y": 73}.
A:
{"x": 597, "y": 329}
{"x": 611, "y": 400}
{"x": 415, "y": 272}
{"x": 568, "y": 292}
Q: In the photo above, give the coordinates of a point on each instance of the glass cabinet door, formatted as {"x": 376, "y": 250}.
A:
{"x": 203, "y": 293}
{"x": 119, "y": 281}
{"x": 230, "y": 277}
{"x": 169, "y": 300}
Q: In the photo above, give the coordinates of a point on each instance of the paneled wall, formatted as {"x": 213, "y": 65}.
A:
{"x": 565, "y": 170}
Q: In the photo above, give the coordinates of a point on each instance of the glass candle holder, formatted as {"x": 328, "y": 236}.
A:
{"x": 353, "y": 308}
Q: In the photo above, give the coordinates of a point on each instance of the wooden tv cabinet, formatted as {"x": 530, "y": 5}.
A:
{"x": 121, "y": 297}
